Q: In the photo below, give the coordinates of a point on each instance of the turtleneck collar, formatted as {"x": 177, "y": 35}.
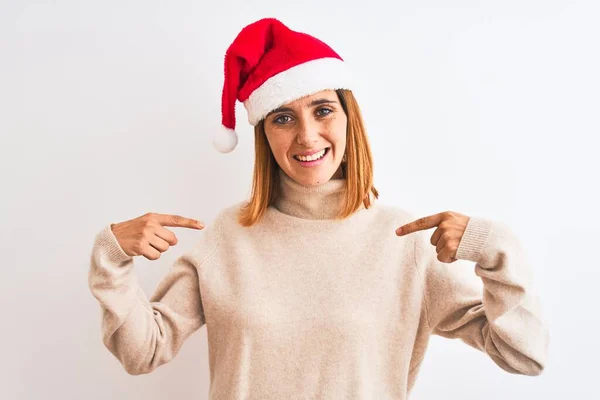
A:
{"x": 310, "y": 202}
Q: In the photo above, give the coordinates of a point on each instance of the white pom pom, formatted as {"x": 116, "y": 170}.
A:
{"x": 225, "y": 140}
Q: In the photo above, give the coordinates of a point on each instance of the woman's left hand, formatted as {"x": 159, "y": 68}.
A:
{"x": 446, "y": 238}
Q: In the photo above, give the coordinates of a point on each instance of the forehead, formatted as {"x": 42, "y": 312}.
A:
{"x": 306, "y": 100}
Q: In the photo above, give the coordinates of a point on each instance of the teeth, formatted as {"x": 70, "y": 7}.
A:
{"x": 312, "y": 157}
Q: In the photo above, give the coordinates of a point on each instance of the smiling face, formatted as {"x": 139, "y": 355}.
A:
{"x": 308, "y": 137}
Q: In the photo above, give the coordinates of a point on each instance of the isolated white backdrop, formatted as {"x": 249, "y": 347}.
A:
{"x": 106, "y": 110}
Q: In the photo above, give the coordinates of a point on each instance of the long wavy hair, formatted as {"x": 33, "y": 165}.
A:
{"x": 357, "y": 168}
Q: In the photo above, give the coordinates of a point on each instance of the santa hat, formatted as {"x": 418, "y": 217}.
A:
{"x": 269, "y": 65}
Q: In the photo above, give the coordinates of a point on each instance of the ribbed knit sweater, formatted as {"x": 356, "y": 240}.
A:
{"x": 303, "y": 306}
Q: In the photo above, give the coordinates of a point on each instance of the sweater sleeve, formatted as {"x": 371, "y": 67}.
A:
{"x": 144, "y": 333}
{"x": 494, "y": 309}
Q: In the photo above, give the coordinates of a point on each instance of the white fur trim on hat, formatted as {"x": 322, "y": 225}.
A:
{"x": 225, "y": 140}
{"x": 299, "y": 81}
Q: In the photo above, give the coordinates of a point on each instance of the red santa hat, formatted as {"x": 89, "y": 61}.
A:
{"x": 269, "y": 65}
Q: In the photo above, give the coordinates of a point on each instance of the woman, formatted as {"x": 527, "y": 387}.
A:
{"x": 312, "y": 289}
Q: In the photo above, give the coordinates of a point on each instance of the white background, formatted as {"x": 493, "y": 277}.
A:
{"x": 487, "y": 108}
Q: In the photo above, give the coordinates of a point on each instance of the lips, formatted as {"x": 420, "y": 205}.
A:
{"x": 309, "y": 153}
{"x": 321, "y": 154}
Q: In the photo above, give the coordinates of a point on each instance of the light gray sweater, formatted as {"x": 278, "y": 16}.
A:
{"x": 303, "y": 306}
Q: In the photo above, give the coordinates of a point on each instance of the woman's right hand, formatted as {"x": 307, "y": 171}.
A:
{"x": 147, "y": 236}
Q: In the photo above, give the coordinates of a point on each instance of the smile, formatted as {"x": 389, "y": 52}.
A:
{"x": 313, "y": 157}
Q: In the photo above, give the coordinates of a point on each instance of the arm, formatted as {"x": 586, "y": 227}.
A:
{"x": 145, "y": 333}
{"x": 495, "y": 313}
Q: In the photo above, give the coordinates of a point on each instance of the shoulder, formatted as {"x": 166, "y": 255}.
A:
{"x": 382, "y": 220}
{"x": 227, "y": 217}
{"x": 212, "y": 235}
{"x": 393, "y": 217}
{"x": 394, "y": 214}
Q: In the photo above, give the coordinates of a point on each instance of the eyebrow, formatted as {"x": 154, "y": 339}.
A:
{"x": 312, "y": 104}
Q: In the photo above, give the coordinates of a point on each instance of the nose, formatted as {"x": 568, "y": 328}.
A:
{"x": 308, "y": 133}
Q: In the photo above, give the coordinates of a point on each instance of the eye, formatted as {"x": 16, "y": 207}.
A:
{"x": 320, "y": 112}
{"x": 279, "y": 120}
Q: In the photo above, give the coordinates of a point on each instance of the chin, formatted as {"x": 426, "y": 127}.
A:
{"x": 314, "y": 178}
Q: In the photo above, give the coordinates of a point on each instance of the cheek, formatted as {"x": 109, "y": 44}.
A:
{"x": 336, "y": 131}
{"x": 280, "y": 145}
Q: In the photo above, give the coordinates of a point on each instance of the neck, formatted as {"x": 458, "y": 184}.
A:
{"x": 322, "y": 201}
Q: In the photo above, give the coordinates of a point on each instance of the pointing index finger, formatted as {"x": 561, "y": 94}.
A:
{"x": 420, "y": 224}
{"x": 179, "y": 221}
